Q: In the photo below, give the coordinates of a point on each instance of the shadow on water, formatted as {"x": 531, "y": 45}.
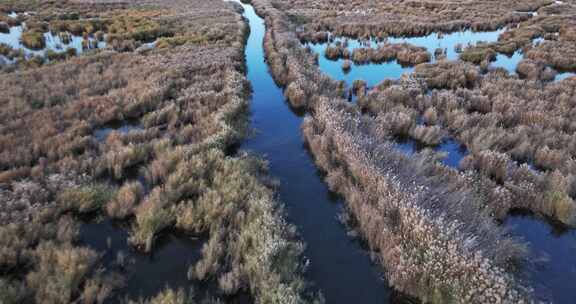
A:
{"x": 145, "y": 274}
{"x": 123, "y": 127}
{"x": 553, "y": 247}
{"x": 454, "y": 151}
{"x": 339, "y": 267}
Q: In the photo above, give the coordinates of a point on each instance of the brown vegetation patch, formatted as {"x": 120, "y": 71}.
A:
{"x": 190, "y": 97}
{"x": 363, "y": 19}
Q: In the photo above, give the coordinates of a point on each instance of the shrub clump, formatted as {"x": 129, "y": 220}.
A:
{"x": 126, "y": 200}
{"x": 33, "y": 39}
{"x": 85, "y": 199}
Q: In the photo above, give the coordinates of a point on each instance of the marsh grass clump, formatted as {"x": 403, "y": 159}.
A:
{"x": 334, "y": 52}
{"x": 448, "y": 75}
{"x": 296, "y": 95}
{"x": 151, "y": 218}
{"x": 359, "y": 87}
{"x": 33, "y": 39}
{"x": 60, "y": 271}
{"x": 126, "y": 200}
{"x": 398, "y": 203}
{"x": 534, "y": 70}
{"x": 430, "y": 135}
{"x": 41, "y": 263}
{"x": 85, "y": 199}
{"x": 169, "y": 296}
{"x": 59, "y": 56}
{"x": 4, "y": 27}
{"x": 478, "y": 54}
{"x": 346, "y": 65}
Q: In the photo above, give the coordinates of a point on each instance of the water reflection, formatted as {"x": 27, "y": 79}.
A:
{"x": 373, "y": 73}
{"x": 58, "y": 43}
{"x": 453, "y": 150}
{"x": 146, "y": 274}
{"x": 122, "y": 127}
{"x": 554, "y": 249}
{"x": 339, "y": 267}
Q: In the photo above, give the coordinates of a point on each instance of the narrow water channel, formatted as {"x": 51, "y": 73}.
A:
{"x": 339, "y": 267}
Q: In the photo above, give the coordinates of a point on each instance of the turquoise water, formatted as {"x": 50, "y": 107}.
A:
{"x": 565, "y": 75}
{"x": 508, "y": 63}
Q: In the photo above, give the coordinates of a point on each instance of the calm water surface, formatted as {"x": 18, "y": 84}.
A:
{"x": 554, "y": 250}
{"x": 339, "y": 267}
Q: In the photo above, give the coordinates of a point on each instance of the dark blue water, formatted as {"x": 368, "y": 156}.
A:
{"x": 339, "y": 267}
{"x": 122, "y": 127}
{"x": 554, "y": 250}
{"x": 145, "y": 274}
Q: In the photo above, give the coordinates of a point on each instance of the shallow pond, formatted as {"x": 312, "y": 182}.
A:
{"x": 554, "y": 250}
{"x": 454, "y": 151}
{"x": 146, "y": 274}
{"x": 122, "y": 127}
{"x": 508, "y": 63}
{"x": 53, "y": 42}
{"x": 374, "y": 73}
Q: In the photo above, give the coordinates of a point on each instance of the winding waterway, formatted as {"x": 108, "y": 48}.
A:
{"x": 338, "y": 265}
